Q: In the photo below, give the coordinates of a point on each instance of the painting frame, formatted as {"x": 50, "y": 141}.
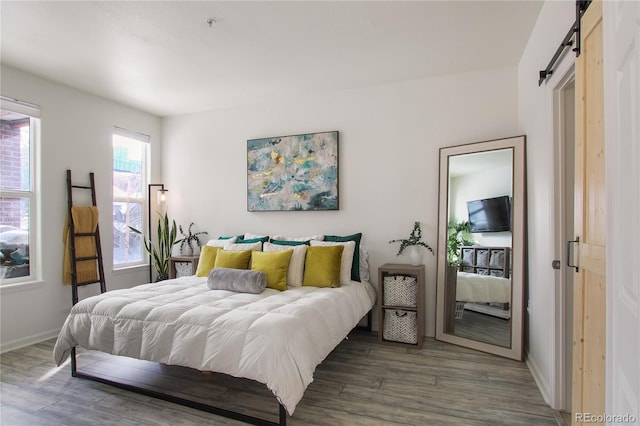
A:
{"x": 293, "y": 172}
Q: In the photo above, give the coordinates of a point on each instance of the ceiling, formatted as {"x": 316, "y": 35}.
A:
{"x": 477, "y": 162}
{"x": 164, "y": 58}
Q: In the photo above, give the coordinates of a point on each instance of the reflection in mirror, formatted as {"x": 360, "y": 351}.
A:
{"x": 480, "y": 246}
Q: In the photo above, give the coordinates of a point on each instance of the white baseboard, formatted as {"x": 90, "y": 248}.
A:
{"x": 543, "y": 386}
{"x": 29, "y": 340}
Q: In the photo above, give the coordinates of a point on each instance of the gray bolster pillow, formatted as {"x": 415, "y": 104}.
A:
{"x": 238, "y": 280}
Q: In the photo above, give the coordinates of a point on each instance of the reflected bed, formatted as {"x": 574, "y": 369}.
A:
{"x": 482, "y": 288}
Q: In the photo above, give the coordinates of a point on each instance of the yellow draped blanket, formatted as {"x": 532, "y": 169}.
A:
{"x": 85, "y": 220}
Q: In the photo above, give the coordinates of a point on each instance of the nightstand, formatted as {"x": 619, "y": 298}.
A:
{"x": 401, "y": 304}
{"x": 180, "y": 266}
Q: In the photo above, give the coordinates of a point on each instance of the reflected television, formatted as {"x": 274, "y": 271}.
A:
{"x": 490, "y": 214}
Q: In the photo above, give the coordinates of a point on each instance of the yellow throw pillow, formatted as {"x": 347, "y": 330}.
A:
{"x": 234, "y": 259}
{"x": 346, "y": 260}
{"x": 275, "y": 265}
{"x": 322, "y": 266}
{"x": 207, "y": 260}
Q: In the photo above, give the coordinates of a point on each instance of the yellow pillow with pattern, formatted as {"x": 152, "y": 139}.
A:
{"x": 207, "y": 260}
{"x": 234, "y": 259}
{"x": 322, "y": 266}
{"x": 275, "y": 265}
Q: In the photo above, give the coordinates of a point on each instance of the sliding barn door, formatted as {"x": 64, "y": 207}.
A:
{"x": 589, "y": 337}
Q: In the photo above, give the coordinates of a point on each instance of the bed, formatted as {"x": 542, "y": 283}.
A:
{"x": 276, "y": 337}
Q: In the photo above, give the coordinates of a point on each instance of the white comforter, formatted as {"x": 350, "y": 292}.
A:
{"x": 276, "y": 338}
{"x": 482, "y": 288}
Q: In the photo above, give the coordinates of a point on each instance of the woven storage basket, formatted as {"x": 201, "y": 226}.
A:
{"x": 400, "y": 326}
{"x": 400, "y": 290}
{"x": 183, "y": 269}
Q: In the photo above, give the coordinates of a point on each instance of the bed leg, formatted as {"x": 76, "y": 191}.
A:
{"x": 73, "y": 362}
{"x": 283, "y": 415}
{"x": 368, "y": 326}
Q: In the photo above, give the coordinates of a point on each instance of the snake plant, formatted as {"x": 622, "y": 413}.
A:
{"x": 161, "y": 252}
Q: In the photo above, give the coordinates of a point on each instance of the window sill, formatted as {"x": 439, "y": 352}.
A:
{"x": 130, "y": 269}
{"x": 24, "y": 286}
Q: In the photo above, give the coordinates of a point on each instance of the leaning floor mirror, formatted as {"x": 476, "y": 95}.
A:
{"x": 481, "y": 246}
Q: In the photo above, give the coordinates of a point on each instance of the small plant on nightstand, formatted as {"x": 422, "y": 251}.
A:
{"x": 414, "y": 241}
{"x": 189, "y": 239}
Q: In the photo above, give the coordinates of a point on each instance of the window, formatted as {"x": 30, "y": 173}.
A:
{"x": 130, "y": 152}
{"x": 18, "y": 196}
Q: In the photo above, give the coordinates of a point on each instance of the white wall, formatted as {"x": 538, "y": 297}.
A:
{"x": 535, "y": 111}
{"x": 76, "y": 133}
{"x": 388, "y": 159}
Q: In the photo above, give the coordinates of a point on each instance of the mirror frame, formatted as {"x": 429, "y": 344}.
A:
{"x": 518, "y": 239}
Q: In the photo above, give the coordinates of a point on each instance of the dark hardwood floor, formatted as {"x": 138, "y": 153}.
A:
{"x": 362, "y": 382}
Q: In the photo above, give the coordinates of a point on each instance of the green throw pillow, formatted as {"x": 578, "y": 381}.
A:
{"x": 252, "y": 240}
{"x": 238, "y": 237}
{"x": 355, "y": 266}
{"x": 275, "y": 265}
{"x": 322, "y": 266}
{"x": 290, "y": 243}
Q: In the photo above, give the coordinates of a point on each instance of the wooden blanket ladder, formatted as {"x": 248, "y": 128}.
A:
{"x": 72, "y": 240}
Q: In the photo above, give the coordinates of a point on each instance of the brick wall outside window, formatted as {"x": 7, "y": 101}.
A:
{"x": 13, "y": 163}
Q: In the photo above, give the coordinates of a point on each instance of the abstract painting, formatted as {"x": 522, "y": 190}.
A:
{"x": 297, "y": 172}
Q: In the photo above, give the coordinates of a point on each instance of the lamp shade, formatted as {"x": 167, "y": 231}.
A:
{"x": 162, "y": 196}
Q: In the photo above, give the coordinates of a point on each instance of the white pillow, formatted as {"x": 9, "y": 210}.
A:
{"x": 309, "y": 238}
{"x": 221, "y": 243}
{"x": 296, "y": 264}
{"x": 244, "y": 246}
{"x": 346, "y": 261}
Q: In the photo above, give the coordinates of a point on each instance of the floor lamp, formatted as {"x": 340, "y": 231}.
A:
{"x": 161, "y": 199}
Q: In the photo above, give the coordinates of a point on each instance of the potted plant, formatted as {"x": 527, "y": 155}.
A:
{"x": 458, "y": 235}
{"x": 414, "y": 241}
{"x": 160, "y": 254}
{"x": 189, "y": 239}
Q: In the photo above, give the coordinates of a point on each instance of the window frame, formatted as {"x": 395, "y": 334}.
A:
{"x": 143, "y": 200}
{"x": 33, "y": 193}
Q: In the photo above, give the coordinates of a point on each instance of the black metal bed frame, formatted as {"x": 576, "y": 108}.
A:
{"x": 178, "y": 400}
{"x": 190, "y": 403}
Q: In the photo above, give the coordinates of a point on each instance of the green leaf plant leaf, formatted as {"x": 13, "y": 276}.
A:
{"x": 166, "y": 240}
{"x": 458, "y": 235}
{"x": 415, "y": 239}
{"x": 189, "y": 238}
